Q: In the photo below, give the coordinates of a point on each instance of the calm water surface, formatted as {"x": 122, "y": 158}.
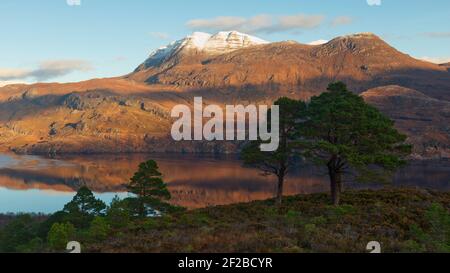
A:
{"x": 36, "y": 184}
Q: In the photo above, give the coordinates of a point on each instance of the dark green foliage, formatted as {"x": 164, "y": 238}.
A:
{"x": 57, "y": 217}
{"x": 151, "y": 191}
{"x": 338, "y": 130}
{"x": 279, "y": 162}
{"x": 16, "y": 235}
{"x": 85, "y": 202}
{"x": 83, "y": 208}
{"x": 59, "y": 235}
{"x": 119, "y": 213}
{"x": 349, "y": 136}
{"x": 26, "y": 234}
{"x": 34, "y": 246}
{"x": 439, "y": 220}
{"x": 99, "y": 229}
{"x": 437, "y": 234}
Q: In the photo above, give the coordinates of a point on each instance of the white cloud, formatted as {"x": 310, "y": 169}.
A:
{"x": 436, "y": 60}
{"x": 13, "y": 73}
{"x": 300, "y": 21}
{"x": 374, "y": 2}
{"x": 56, "y": 68}
{"x": 258, "y": 24}
{"x": 318, "y": 42}
{"x": 437, "y": 34}
{"x": 218, "y": 23}
{"x": 341, "y": 20}
{"x": 46, "y": 70}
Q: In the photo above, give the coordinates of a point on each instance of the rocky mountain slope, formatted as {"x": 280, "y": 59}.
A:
{"x": 131, "y": 113}
{"x": 424, "y": 119}
{"x": 363, "y": 61}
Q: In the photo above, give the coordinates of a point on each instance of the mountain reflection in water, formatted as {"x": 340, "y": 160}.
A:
{"x": 194, "y": 181}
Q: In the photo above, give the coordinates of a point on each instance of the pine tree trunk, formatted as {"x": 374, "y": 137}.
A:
{"x": 141, "y": 203}
{"x": 280, "y": 189}
{"x": 141, "y": 209}
{"x": 335, "y": 196}
{"x": 335, "y": 185}
{"x": 340, "y": 183}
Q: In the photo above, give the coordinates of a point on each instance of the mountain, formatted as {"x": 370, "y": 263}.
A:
{"x": 363, "y": 61}
{"x": 132, "y": 113}
{"x": 424, "y": 119}
{"x": 200, "y": 43}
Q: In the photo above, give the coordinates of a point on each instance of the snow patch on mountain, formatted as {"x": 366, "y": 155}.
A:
{"x": 318, "y": 42}
{"x": 200, "y": 42}
{"x": 229, "y": 41}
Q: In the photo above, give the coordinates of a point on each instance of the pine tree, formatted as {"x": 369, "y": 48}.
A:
{"x": 350, "y": 136}
{"x": 83, "y": 208}
{"x": 281, "y": 161}
{"x": 86, "y": 203}
{"x": 151, "y": 191}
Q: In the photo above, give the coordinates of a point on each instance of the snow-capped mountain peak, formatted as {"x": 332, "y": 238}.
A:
{"x": 230, "y": 40}
{"x": 200, "y": 42}
{"x": 196, "y": 40}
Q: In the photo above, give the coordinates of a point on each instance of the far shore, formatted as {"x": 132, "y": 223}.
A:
{"x": 414, "y": 158}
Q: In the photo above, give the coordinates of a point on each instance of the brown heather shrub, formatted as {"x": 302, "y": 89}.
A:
{"x": 402, "y": 220}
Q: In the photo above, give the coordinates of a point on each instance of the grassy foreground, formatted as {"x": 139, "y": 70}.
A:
{"x": 402, "y": 220}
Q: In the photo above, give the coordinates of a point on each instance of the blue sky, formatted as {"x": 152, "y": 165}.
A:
{"x": 49, "y": 40}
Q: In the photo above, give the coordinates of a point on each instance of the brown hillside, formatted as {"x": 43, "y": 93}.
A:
{"x": 425, "y": 120}
{"x": 363, "y": 61}
{"x": 131, "y": 113}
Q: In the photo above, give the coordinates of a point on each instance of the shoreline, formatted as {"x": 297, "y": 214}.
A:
{"x": 195, "y": 154}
